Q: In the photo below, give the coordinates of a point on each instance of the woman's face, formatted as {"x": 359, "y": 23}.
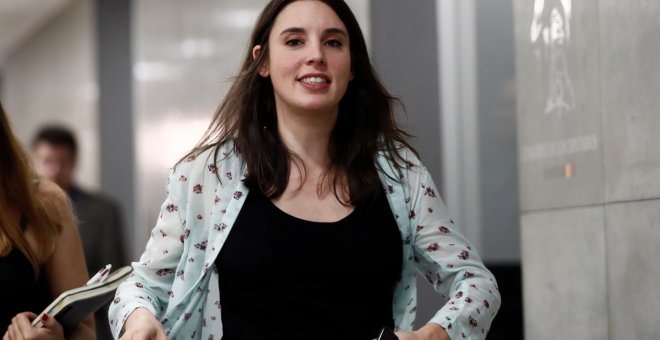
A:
{"x": 309, "y": 60}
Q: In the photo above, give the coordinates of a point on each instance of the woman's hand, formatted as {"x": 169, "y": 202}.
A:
{"x": 430, "y": 331}
{"x": 21, "y": 328}
{"x": 142, "y": 325}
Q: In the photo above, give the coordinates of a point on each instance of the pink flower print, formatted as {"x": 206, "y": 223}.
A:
{"x": 200, "y": 217}
{"x": 486, "y": 304}
{"x": 171, "y": 207}
{"x": 179, "y": 274}
{"x": 139, "y": 285}
{"x": 444, "y": 229}
{"x": 229, "y": 176}
{"x": 468, "y": 275}
{"x": 459, "y": 295}
{"x": 472, "y": 321}
{"x": 430, "y": 210}
{"x": 464, "y": 255}
{"x": 419, "y": 227}
{"x": 238, "y": 195}
{"x": 197, "y": 189}
{"x": 186, "y": 316}
{"x": 165, "y": 271}
{"x": 171, "y": 295}
{"x": 213, "y": 169}
{"x": 217, "y": 199}
{"x": 201, "y": 245}
{"x": 411, "y": 214}
{"x": 429, "y": 192}
{"x": 183, "y": 178}
{"x": 468, "y": 300}
{"x": 162, "y": 233}
{"x": 116, "y": 300}
{"x": 433, "y": 247}
{"x": 220, "y": 227}
{"x": 390, "y": 189}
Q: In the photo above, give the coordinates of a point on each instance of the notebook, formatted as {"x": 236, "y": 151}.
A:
{"x": 73, "y": 305}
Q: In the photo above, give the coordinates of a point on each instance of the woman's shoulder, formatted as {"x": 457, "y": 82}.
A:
{"x": 220, "y": 157}
{"x": 56, "y": 203}
{"x": 400, "y": 156}
{"x": 50, "y": 192}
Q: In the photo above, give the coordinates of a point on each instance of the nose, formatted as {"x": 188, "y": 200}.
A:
{"x": 316, "y": 54}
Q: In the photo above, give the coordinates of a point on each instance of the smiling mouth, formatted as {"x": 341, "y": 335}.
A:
{"x": 314, "y": 80}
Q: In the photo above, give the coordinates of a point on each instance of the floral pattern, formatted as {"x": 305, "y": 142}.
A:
{"x": 176, "y": 278}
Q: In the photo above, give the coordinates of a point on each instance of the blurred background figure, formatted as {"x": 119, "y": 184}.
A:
{"x": 40, "y": 251}
{"x": 54, "y": 151}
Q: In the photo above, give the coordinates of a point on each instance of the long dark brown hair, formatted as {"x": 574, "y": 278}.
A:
{"x": 19, "y": 200}
{"x": 365, "y": 123}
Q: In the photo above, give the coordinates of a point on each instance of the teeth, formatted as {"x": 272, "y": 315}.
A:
{"x": 314, "y": 80}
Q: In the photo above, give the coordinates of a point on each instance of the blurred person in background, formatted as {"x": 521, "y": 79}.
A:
{"x": 40, "y": 251}
{"x": 55, "y": 155}
{"x": 303, "y": 213}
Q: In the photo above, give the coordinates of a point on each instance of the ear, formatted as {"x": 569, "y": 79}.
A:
{"x": 263, "y": 68}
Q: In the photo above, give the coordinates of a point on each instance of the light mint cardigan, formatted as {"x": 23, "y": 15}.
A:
{"x": 176, "y": 278}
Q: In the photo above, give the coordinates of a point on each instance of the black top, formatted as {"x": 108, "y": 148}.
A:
{"x": 20, "y": 291}
{"x": 286, "y": 278}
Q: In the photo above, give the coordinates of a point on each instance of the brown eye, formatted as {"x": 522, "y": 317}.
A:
{"x": 334, "y": 43}
{"x": 293, "y": 42}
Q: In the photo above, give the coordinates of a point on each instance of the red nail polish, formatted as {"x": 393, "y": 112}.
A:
{"x": 44, "y": 317}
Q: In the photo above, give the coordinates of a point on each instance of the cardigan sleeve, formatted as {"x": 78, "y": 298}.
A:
{"x": 449, "y": 262}
{"x": 150, "y": 283}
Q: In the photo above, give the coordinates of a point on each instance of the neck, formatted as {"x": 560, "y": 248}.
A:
{"x": 308, "y": 137}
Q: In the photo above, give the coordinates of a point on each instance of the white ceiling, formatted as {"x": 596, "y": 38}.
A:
{"x": 21, "y": 18}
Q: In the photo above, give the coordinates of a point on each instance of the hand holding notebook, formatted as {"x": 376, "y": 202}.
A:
{"x": 73, "y": 305}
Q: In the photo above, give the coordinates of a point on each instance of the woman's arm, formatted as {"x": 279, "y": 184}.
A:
{"x": 147, "y": 289}
{"x": 448, "y": 261}
{"x": 65, "y": 269}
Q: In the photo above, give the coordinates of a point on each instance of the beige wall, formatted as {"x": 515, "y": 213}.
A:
{"x": 51, "y": 78}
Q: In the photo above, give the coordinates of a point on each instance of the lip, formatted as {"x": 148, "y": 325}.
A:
{"x": 315, "y": 86}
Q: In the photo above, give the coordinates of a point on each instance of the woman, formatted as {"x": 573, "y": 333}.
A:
{"x": 303, "y": 212}
{"x": 40, "y": 250}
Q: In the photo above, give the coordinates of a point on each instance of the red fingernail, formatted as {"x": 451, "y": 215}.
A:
{"x": 44, "y": 317}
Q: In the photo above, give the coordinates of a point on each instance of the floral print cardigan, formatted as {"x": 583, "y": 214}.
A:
{"x": 177, "y": 281}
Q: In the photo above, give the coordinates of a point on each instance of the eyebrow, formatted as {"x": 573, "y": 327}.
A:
{"x": 332, "y": 30}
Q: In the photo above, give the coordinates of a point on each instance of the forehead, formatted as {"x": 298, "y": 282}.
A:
{"x": 47, "y": 149}
{"x": 307, "y": 14}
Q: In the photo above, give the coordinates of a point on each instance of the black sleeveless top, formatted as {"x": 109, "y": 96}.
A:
{"x": 19, "y": 290}
{"x": 286, "y": 278}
